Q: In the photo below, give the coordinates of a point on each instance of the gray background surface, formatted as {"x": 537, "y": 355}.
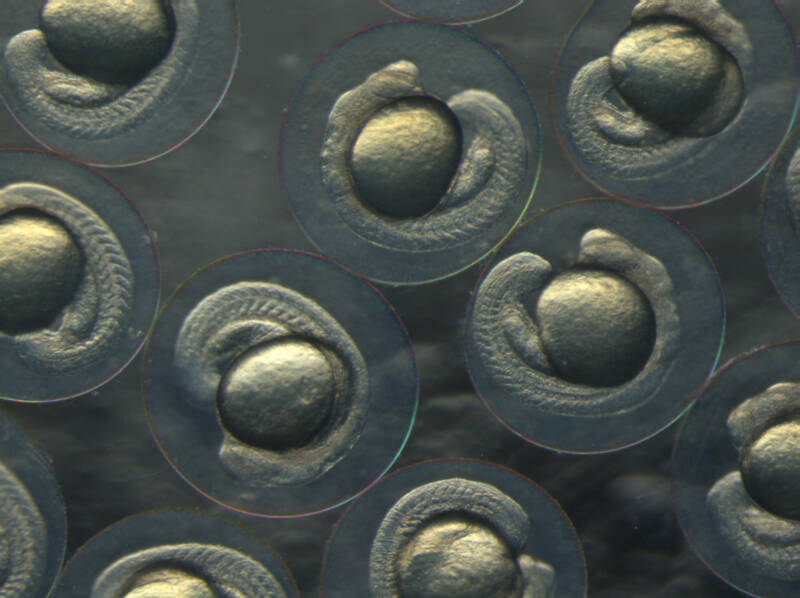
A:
{"x": 220, "y": 194}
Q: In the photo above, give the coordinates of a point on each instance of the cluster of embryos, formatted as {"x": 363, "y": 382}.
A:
{"x": 280, "y": 383}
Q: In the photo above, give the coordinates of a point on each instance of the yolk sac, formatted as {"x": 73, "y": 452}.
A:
{"x": 169, "y": 583}
{"x": 770, "y": 470}
{"x": 596, "y": 327}
{"x": 278, "y": 395}
{"x": 405, "y": 156}
{"x": 40, "y": 269}
{"x": 455, "y": 556}
{"x": 114, "y": 41}
{"x": 671, "y": 73}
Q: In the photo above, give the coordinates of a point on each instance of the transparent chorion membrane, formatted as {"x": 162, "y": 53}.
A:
{"x": 593, "y": 326}
{"x": 780, "y": 223}
{"x": 409, "y": 152}
{"x": 454, "y": 528}
{"x": 672, "y": 103}
{"x": 33, "y": 525}
{"x": 736, "y": 473}
{"x": 116, "y": 82}
{"x": 451, "y": 11}
{"x": 79, "y": 278}
{"x": 278, "y": 384}
{"x": 175, "y": 554}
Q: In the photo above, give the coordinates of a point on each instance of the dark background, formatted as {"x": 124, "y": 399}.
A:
{"x": 220, "y": 194}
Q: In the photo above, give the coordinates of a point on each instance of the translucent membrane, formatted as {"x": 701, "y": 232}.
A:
{"x": 409, "y": 152}
{"x": 499, "y": 531}
{"x": 673, "y": 103}
{"x": 80, "y": 278}
{"x": 278, "y": 384}
{"x": 175, "y": 553}
{"x": 593, "y": 326}
{"x": 451, "y": 11}
{"x": 116, "y": 83}
{"x": 735, "y": 472}
{"x": 31, "y": 515}
{"x": 780, "y": 223}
